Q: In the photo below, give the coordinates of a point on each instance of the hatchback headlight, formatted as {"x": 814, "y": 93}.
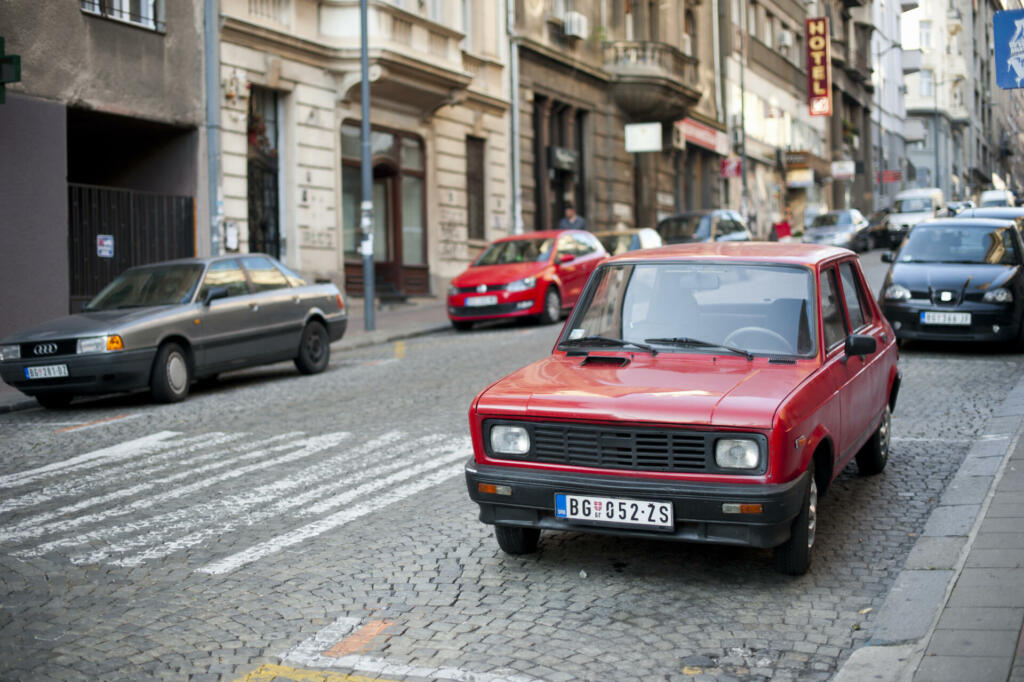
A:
{"x": 510, "y": 440}
{"x": 10, "y": 353}
{"x": 737, "y": 453}
{"x": 99, "y": 344}
{"x": 452, "y": 290}
{"x": 897, "y": 292}
{"x": 1000, "y": 295}
{"x": 524, "y": 284}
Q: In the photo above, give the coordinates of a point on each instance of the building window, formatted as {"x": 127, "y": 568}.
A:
{"x": 926, "y": 83}
{"x": 475, "y": 187}
{"x": 767, "y": 31}
{"x": 926, "y": 34}
{"x": 144, "y": 13}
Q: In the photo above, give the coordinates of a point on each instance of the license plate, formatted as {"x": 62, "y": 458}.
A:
{"x": 477, "y": 301}
{"x": 937, "y": 317}
{"x": 616, "y": 511}
{"x": 46, "y": 372}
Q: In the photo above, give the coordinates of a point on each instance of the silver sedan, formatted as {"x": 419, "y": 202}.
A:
{"x": 164, "y": 325}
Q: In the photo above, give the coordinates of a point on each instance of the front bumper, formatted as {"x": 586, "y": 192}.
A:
{"x": 518, "y": 304}
{"x": 697, "y": 506}
{"x": 336, "y": 326}
{"x": 905, "y": 319}
{"x": 87, "y": 374}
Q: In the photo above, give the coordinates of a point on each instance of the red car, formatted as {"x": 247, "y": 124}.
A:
{"x": 701, "y": 392}
{"x": 539, "y": 274}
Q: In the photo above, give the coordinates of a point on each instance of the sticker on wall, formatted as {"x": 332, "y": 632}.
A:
{"x": 105, "y": 245}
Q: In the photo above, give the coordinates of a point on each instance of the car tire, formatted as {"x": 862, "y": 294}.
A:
{"x": 314, "y": 349}
{"x": 516, "y": 540}
{"x": 552, "y": 311}
{"x": 171, "y": 376}
{"x": 54, "y": 401}
{"x": 793, "y": 557}
{"x": 873, "y": 456}
{"x": 462, "y": 325}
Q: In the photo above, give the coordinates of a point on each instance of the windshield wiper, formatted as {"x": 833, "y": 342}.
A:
{"x": 686, "y": 341}
{"x": 609, "y": 341}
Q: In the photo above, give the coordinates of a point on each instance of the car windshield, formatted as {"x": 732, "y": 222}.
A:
{"x": 920, "y": 205}
{"x": 961, "y": 243}
{"x": 832, "y": 219}
{"x": 699, "y": 307}
{"x": 517, "y": 251}
{"x": 139, "y": 287}
{"x": 686, "y": 228}
{"x": 994, "y": 201}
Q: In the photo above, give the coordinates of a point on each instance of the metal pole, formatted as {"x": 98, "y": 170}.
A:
{"x": 513, "y": 58}
{"x": 211, "y": 34}
{"x": 745, "y": 199}
{"x": 366, "y": 178}
{"x": 935, "y": 122}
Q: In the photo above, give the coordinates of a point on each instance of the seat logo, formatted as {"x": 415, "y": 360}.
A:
{"x": 45, "y": 349}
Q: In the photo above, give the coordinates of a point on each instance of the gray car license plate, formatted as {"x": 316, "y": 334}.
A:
{"x": 46, "y": 372}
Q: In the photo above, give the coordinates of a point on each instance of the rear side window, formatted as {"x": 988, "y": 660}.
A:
{"x": 263, "y": 275}
{"x": 831, "y": 314}
{"x": 225, "y": 273}
{"x": 859, "y": 313}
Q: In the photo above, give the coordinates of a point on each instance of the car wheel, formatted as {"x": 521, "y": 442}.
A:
{"x": 552, "y": 307}
{"x": 793, "y": 557}
{"x": 873, "y": 456}
{"x": 54, "y": 401}
{"x": 462, "y": 325}
{"x": 314, "y": 349}
{"x": 515, "y": 540}
{"x": 171, "y": 374}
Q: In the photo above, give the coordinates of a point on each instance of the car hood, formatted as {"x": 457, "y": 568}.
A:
{"x": 710, "y": 390}
{"x": 951, "y": 276}
{"x": 85, "y": 324}
{"x": 497, "y": 274}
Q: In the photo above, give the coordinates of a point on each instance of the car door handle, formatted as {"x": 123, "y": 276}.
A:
{"x": 254, "y": 306}
{"x": 297, "y": 299}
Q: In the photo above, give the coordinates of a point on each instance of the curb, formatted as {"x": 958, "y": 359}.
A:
{"x": 908, "y": 617}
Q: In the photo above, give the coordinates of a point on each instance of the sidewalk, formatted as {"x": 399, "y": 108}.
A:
{"x": 392, "y": 322}
{"x": 956, "y": 610}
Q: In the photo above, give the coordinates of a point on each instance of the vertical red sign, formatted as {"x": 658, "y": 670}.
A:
{"x": 819, "y": 67}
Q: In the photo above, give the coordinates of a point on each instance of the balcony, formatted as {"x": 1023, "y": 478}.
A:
{"x": 651, "y": 81}
{"x": 911, "y": 61}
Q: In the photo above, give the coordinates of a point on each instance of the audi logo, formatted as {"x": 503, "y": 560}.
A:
{"x": 45, "y": 349}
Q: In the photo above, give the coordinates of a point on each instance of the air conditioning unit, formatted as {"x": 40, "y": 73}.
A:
{"x": 576, "y": 25}
{"x": 785, "y": 38}
{"x": 687, "y": 45}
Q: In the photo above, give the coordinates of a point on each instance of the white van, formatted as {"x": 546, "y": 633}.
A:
{"x": 996, "y": 197}
{"x": 911, "y": 207}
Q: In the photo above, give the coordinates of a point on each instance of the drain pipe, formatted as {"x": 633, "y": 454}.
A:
{"x": 211, "y": 43}
{"x": 513, "y": 58}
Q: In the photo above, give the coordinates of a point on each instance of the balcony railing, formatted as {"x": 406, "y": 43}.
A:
{"x": 650, "y": 58}
{"x": 652, "y": 80}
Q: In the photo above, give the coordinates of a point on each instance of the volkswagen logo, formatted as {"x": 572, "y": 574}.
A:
{"x": 45, "y": 349}
{"x": 481, "y": 289}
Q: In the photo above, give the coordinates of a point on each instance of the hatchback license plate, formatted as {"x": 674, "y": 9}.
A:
{"x": 46, "y": 372}
{"x": 478, "y": 301}
{"x": 615, "y": 511}
{"x": 938, "y": 317}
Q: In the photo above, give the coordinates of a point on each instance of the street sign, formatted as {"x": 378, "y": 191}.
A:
{"x": 10, "y": 70}
{"x": 1008, "y": 36}
{"x": 732, "y": 168}
{"x": 105, "y": 245}
{"x": 819, "y": 67}
{"x": 843, "y": 170}
{"x": 643, "y": 137}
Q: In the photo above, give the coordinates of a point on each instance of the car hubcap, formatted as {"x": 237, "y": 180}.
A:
{"x": 812, "y": 513}
{"x": 313, "y": 347}
{"x": 177, "y": 372}
{"x": 552, "y": 305}
{"x": 883, "y": 434}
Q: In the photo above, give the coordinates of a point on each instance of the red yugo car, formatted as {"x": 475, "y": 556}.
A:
{"x": 538, "y": 274}
{"x": 704, "y": 392}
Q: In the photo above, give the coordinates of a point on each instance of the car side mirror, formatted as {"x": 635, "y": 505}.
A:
{"x": 214, "y": 293}
{"x": 565, "y": 258}
{"x": 860, "y": 344}
{"x": 888, "y": 257}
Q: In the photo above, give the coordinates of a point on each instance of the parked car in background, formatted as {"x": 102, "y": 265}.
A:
{"x": 846, "y": 228}
{"x": 1014, "y": 213}
{"x": 713, "y": 225}
{"x": 911, "y": 207}
{"x": 164, "y": 325}
{"x": 996, "y": 197}
{"x": 957, "y": 279}
{"x": 538, "y": 275}
{"x": 701, "y": 393}
{"x": 620, "y": 241}
{"x": 955, "y": 207}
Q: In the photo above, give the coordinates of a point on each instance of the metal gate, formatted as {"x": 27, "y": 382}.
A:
{"x": 114, "y": 229}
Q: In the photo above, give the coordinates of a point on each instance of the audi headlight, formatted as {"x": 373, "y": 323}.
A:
{"x": 897, "y": 292}
{"x": 524, "y": 284}
{"x": 1000, "y": 295}
{"x": 510, "y": 440}
{"x": 737, "y": 453}
{"x": 100, "y": 344}
{"x": 10, "y": 353}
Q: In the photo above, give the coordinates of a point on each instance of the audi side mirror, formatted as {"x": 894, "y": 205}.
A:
{"x": 214, "y": 293}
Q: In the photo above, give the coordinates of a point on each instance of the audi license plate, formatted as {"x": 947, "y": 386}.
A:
{"x": 46, "y": 372}
{"x": 614, "y": 511}
{"x": 477, "y": 301}
{"x": 939, "y": 317}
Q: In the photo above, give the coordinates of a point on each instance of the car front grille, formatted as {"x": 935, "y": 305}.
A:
{"x": 476, "y": 290}
{"x": 48, "y": 349}
{"x": 481, "y": 311}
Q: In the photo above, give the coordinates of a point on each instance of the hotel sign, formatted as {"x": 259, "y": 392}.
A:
{"x": 819, "y": 67}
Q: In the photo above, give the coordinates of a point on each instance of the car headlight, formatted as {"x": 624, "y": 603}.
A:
{"x": 737, "y": 453}
{"x": 524, "y": 284}
{"x": 510, "y": 440}
{"x": 452, "y": 290}
{"x": 100, "y": 344}
{"x": 897, "y": 292}
{"x": 10, "y": 353}
{"x": 1000, "y": 295}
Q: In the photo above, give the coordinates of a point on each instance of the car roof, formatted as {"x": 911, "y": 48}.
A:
{"x": 790, "y": 253}
{"x": 539, "y": 234}
{"x": 965, "y": 220}
{"x": 202, "y": 260}
{"x": 992, "y": 212}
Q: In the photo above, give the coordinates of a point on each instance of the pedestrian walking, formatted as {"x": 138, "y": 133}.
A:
{"x": 572, "y": 221}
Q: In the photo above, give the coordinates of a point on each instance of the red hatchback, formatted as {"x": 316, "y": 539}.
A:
{"x": 703, "y": 393}
{"x": 539, "y": 274}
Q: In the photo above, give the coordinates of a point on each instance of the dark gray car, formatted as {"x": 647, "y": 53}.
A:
{"x": 165, "y": 325}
